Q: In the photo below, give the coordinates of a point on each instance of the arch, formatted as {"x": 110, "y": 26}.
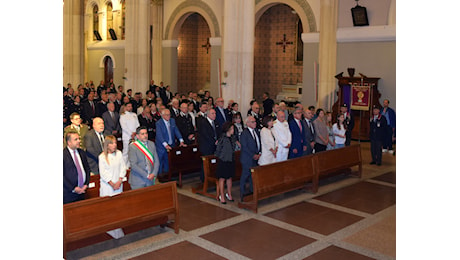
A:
{"x": 302, "y": 8}
{"x": 183, "y": 11}
{"x": 107, "y": 54}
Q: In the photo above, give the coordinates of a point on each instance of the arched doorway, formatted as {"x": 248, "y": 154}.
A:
{"x": 194, "y": 54}
{"x": 277, "y": 50}
{"x": 108, "y": 69}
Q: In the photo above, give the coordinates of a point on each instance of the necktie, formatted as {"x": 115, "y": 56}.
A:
{"x": 101, "y": 138}
{"x": 92, "y": 105}
{"x": 255, "y": 138}
{"x": 300, "y": 126}
{"x": 79, "y": 171}
{"x": 311, "y": 128}
{"x": 214, "y": 128}
{"x": 169, "y": 132}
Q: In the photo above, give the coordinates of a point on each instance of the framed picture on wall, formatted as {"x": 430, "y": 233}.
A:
{"x": 359, "y": 14}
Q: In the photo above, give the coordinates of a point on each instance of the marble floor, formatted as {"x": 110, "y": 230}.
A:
{"x": 349, "y": 218}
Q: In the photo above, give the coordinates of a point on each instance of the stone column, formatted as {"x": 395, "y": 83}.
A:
{"x": 238, "y": 52}
{"x": 73, "y": 43}
{"x": 216, "y": 48}
{"x": 137, "y": 46}
{"x": 169, "y": 63}
{"x": 310, "y": 56}
{"x": 157, "y": 37}
{"x": 327, "y": 53}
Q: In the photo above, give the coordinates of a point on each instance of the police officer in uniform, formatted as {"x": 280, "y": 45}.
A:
{"x": 378, "y": 126}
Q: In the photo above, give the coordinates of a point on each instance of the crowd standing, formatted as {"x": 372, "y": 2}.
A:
{"x": 94, "y": 118}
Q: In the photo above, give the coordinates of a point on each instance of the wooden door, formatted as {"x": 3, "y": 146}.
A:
{"x": 108, "y": 69}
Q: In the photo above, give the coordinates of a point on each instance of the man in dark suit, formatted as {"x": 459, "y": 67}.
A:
{"x": 297, "y": 127}
{"x": 166, "y": 134}
{"x": 101, "y": 106}
{"x": 349, "y": 122}
{"x": 174, "y": 108}
{"x": 378, "y": 128}
{"x": 221, "y": 112}
{"x": 268, "y": 104}
{"x": 250, "y": 153}
{"x": 111, "y": 119}
{"x": 255, "y": 112}
{"x": 309, "y": 132}
{"x": 152, "y": 86}
{"x": 185, "y": 125}
{"x": 94, "y": 143}
{"x": 208, "y": 135}
{"x": 89, "y": 109}
{"x": 76, "y": 169}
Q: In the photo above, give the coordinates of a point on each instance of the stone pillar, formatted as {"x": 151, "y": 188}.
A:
{"x": 137, "y": 46}
{"x": 73, "y": 43}
{"x": 216, "y": 48}
{"x": 169, "y": 63}
{"x": 238, "y": 52}
{"x": 327, "y": 53}
{"x": 310, "y": 57}
{"x": 157, "y": 37}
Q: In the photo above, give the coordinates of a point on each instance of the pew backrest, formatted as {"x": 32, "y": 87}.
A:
{"x": 339, "y": 159}
{"x": 94, "y": 216}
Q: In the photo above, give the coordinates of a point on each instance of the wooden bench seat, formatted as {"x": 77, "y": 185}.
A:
{"x": 210, "y": 169}
{"x": 277, "y": 178}
{"x": 339, "y": 161}
{"x": 182, "y": 160}
{"x": 86, "y": 218}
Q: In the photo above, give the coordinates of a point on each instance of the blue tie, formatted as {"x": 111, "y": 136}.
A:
{"x": 169, "y": 132}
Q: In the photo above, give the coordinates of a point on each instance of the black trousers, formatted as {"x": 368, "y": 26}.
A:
{"x": 376, "y": 151}
{"x": 388, "y": 141}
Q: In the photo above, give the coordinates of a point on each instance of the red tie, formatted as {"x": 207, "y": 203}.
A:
{"x": 300, "y": 126}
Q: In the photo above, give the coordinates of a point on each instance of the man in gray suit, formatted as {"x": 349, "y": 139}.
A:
{"x": 112, "y": 119}
{"x": 144, "y": 160}
{"x": 94, "y": 142}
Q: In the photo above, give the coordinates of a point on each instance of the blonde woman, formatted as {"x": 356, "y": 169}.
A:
{"x": 112, "y": 170}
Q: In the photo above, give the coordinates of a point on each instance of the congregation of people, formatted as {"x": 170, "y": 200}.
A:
{"x": 149, "y": 126}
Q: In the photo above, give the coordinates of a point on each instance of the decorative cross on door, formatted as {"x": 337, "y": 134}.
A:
{"x": 207, "y": 46}
{"x": 284, "y": 43}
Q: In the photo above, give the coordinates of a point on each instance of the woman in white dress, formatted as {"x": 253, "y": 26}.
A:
{"x": 283, "y": 135}
{"x": 112, "y": 170}
{"x": 268, "y": 141}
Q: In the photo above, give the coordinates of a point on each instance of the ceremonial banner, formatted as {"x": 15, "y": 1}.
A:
{"x": 360, "y": 97}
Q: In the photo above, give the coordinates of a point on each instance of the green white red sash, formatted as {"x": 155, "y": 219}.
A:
{"x": 144, "y": 150}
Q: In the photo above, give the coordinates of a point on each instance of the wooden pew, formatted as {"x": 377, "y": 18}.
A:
{"x": 94, "y": 185}
{"x": 94, "y": 216}
{"x": 277, "y": 178}
{"x": 339, "y": 161}
{"x": 210, "y": 179}
{"x": 182, "y": 160}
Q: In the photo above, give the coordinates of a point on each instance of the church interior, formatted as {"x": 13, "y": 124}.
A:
{"x": 49, "y": 44}
{"x": 293, "y": 49}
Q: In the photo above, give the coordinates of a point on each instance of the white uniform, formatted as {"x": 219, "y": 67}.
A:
{"x": 284, "y": 137}
{"x": 129, "y": 122}
{"x": 111, "y": 171}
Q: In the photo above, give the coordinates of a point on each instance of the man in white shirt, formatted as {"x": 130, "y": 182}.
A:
{"x": 128, "y": 122}
{"x": 282, "y": 133}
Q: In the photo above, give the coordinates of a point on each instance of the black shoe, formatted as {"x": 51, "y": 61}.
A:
{"x": 223, "y": 202}
{"x": 372, "y": 162}
{"x": 378, "y": 164}
{"x": 228, "y": 198}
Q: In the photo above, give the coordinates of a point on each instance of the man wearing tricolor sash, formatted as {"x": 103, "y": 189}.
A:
{"x": 144, "y": 160}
